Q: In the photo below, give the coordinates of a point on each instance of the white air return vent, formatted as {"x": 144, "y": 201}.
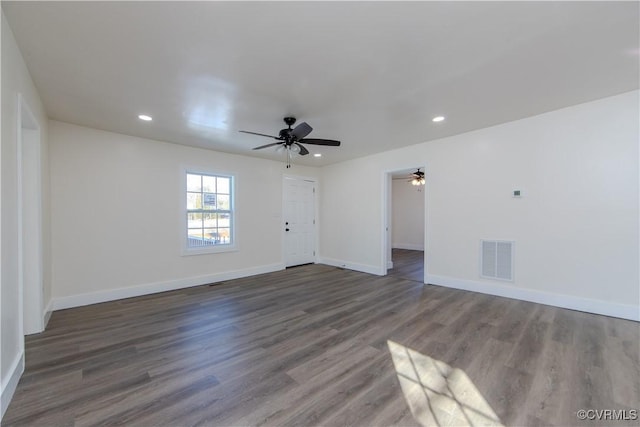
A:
{"x": 496, "y": 259}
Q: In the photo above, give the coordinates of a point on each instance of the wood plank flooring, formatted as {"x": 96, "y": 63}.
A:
{"x": 407, "y": 264}
{"x": 317, "y": 345}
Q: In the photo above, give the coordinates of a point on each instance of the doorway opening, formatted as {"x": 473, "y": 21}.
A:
{"x": 30, "y": 242}
{"x": 405, "y": 225}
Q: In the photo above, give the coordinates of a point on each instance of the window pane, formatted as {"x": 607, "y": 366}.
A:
{"x": 211, "y": 234}
{"x": 194, "y": 201}
{"x": 196, "y": 235}
{"x": 224, "y": 235}
{"x": 194, "y": 220}
{"x": 223, "y": 202}
{"x": 209, "y": 201}
{"x": 223, "y": 220}
{"x": 194, "y": 182}
{"x": 210, "y": 220}
{"x": 208, "y": 184}
{"x": 198, "y": 239}
{"x": 223, "y": 185}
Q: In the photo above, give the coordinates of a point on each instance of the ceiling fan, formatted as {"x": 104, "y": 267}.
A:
{"x": 417, "y": 178}
{"x": 293, "y": 138}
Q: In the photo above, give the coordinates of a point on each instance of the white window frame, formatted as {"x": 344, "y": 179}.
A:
{"x": 184, "y": 241}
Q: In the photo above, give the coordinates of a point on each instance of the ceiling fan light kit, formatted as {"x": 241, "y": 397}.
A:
{"x": 293, "y": 138}
{"x": 417, "y": 178}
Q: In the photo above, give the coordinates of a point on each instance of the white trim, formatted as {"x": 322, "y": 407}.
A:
{"x": 20, "y": 244}
{"x": 61, "y": 303}
{"x": 217, "y": 249}
{"x": 386, "y": 215}
{"x": 408, "y": 246}
{"x": 389, "y": 265}
{"x": 364, "y": 268}
{"x": 26, "y": 120}
{"x": 386, "y": 218}
{"x": 623, "y": 311}
{"x": 10, "y": 383}
{"x": 316, "y": 230}
{"x": 427, "y": 221}
{"x": 46, "y": 316}
{"x": 300, "y": 177}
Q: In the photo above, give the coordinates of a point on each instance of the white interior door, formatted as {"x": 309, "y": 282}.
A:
{"x": 299, "y": 221}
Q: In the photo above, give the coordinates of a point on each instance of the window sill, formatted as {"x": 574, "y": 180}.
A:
{"x": 212, "y": 250}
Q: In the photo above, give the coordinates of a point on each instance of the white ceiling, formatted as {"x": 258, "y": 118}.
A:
{"x": 371, "y": 74}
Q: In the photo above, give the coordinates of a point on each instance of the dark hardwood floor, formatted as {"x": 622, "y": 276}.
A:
{"x": 407, "y": 264}
{"x": 317, "y": 345}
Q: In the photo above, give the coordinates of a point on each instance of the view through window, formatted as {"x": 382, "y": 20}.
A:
{"x": 209, "y": 210}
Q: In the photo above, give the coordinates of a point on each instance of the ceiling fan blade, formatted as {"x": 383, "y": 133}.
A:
{"x": 268, "y": 145}
{"x": 303, "y": 150}
{"x": 300, "y": 131}
{"x": 315, "y": 141}
{"x": 259, "y": 134}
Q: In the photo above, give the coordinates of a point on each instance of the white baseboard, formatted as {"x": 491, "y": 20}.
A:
{"x": 10, "y": 383}
{"x": 389, "y": 265}
{"x": 623, "y": 311}
{"x": 409, "y": 246}
{"x": 364, "y": 268}
{"x": 60, "y": 303}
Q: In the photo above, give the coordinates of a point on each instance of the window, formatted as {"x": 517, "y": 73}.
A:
{"x": 209, "y": 202}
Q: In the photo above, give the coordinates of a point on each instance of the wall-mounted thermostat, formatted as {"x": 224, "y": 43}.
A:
{"x": 517, "y": 193}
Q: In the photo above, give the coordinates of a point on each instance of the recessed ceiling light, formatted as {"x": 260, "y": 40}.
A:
{"x": 145, "y": 117}
{"x": 317, "y": 155}
{"x": 438, "y": 119}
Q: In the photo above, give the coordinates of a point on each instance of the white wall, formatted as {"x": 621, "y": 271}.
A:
{"x": 575, "y": 228}
{"x": 407, "y": 206}
{"x": 116, "y": 215}
{"x": 16, "y": 81}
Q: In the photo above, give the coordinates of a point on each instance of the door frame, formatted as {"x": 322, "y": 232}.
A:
{"x": 316, "y": 212}
{"x": 30, "y": 300}
{"x": 387, "y": 217}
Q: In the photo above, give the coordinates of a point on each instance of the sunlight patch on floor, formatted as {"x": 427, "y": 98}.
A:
{"x": 437, "y": 394}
